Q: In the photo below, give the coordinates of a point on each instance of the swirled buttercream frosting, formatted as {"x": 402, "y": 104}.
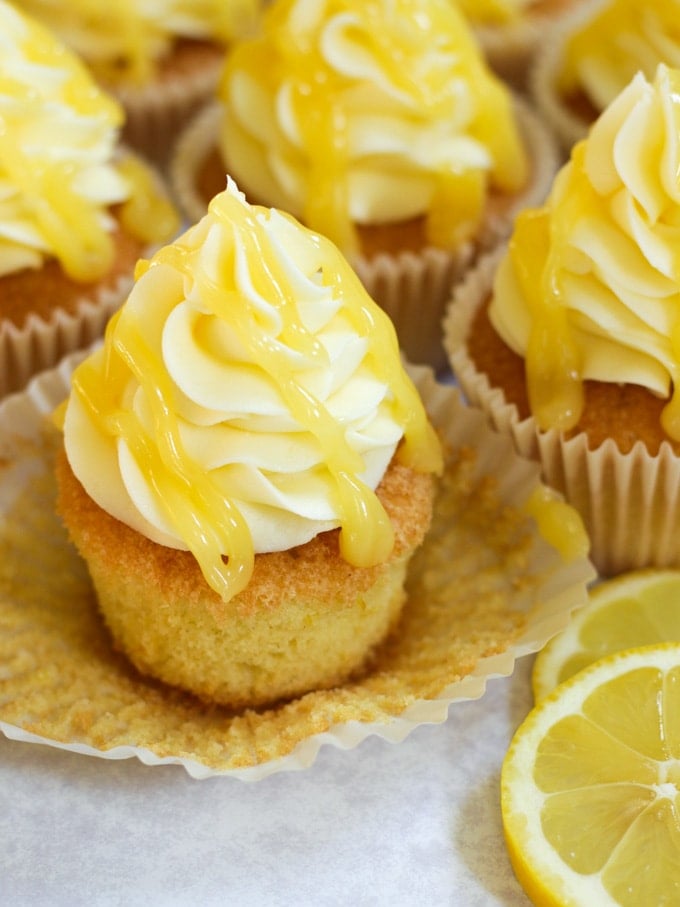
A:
{"x": 349, "y": 112}
{"x": 602, "y": 52}
{"x": 126, "y": 40}
{"x": 590, "y": 286}
{"x": 59, "y": 173}
{"x": 248, "y": 396}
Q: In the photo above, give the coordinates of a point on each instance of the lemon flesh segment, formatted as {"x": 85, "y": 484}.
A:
{"x": 638, "y": 608}
{"x": 589, "y": 786}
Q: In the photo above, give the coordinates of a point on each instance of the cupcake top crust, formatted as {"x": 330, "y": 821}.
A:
{"x": 125, "y": 42}
{"x": 248, "y": 396}
{"x": 612, "y": 40}
{"x": 60, "y": 171}
{"x": 590, "y": 285}
{"x": 348, "y": 112}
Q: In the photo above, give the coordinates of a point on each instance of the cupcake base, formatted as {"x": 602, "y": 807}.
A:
{"x": 307, "y": 619}
{"x": 483, "y": 590}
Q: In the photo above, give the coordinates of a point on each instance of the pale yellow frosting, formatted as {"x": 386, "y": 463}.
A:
{"x": 249, "y": 396}
{"x": 125, "y": 39}
{"x": 617, "y": 39}
{"x": 348, "y": 112}
{"x": 590, "y": 287}
{"x": 59, "y": 175}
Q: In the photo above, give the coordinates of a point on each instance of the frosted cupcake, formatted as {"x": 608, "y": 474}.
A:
{"x": 511, "y": 31}
{"x": 160, "y": 58}
{"x": 248, "y": 467}
{"x": 592, "y": 55}
{"x": 76, "y": 211}
{"x": 380, "y": 126}
{"x": 569, "y": 339}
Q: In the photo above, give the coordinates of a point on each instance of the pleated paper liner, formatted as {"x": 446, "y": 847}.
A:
{"x": 413, "y": 287}
{"x": 630, "y": 503}
{"x": 569, "y": 120}
{"x": 484, "y": 590}
{"x": 156, "y": 113}
{"x": 41, "y": 343}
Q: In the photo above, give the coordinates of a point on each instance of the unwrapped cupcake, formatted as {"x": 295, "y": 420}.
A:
{"x": 248, "y": 467}
{"x": 586, "y": 60}
{"x": 569, "y": 339}
{"x": 511, "y": 31}
{"x": 380, "y": 126}
{"x": 76, "y": 210}
{"x": 160, "y": 58}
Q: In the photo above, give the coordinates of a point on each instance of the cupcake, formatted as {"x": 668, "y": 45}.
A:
{"x": 380, "y": 126}
{"x": 248, "y": 469}
{"x": 511, "y": 31}
{"x": 568, "y": 339}
{"x": 77, "y": 210}
{"x": 588, "y": 59}
{"x": 160, "y": 58}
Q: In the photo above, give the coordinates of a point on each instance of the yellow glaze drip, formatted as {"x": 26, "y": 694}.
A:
{"x": 552, "y": 363}
{"x": 147, "y": 213}
{"x": 558, "y": 523}
{"x": 74, "y": 227}
{"x": 590, "y": 288}
{"x": 397, "y": 36}
{"x": 210, "y": 524}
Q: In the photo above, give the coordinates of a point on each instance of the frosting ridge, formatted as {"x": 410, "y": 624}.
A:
{"x": 348, "y": 112}
{"x": 590, "y": 286}
{"x": 603, "y": 50}
{"x": 249, "y": 395}
{"x": 59, "y": 170}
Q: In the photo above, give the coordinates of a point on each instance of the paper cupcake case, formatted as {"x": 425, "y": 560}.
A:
{"x": 566, "y": 123}
{"x": 155, "y": 114}
{"x": 412, "y": 287}
{"x": 484, "y": 590}
{"x": 630, "y": 503}
{"x": 41, "y": 343}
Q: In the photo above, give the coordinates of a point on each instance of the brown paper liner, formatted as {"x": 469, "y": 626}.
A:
{"x": 511, "y": 48}
{"x": 157, "y": 113}
{"x": 630, "y": 503}
{"x": 413, "y": 287}
{"x": 484, "y": 590}
{"x": 567, "y": 123}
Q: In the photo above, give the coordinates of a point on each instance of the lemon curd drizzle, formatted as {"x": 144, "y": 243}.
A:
{"x": 552, "y": 360}
{"x": 553, "y": 357}
{"x": 423, "y": 50}
{"x": 208, "y": 521}
{"x": 558, "y": 523}
{"x": 70, "y": 223}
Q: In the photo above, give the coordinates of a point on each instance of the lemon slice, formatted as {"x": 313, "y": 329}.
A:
{"x": 589, "y": 786}
{"x": 635, "y": 609}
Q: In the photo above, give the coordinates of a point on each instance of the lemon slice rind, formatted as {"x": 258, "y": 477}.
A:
{"x": 545, "y": 876}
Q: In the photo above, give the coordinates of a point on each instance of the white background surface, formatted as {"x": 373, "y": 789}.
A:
{"x": 414, "y": 823}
